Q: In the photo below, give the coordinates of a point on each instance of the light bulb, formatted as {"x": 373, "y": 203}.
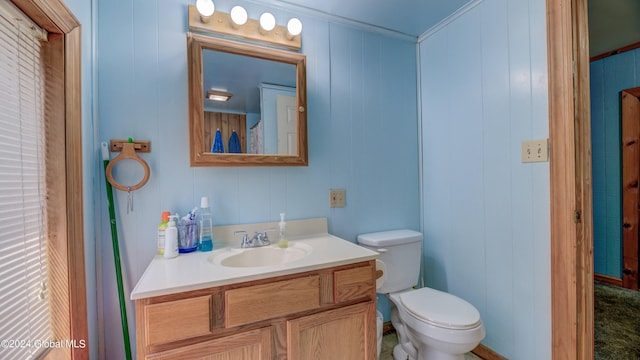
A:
{"x": 294, "y": 27}
{"x": 238, "y": 15}
{"x": 206, "y": 9}
{"x": 267, "y": 21}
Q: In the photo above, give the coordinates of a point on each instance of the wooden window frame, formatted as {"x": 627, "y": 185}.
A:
{"x": 61, "y": 57}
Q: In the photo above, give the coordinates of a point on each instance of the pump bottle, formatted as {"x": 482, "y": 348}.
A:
{"x": 161, "y": 231}
{"x": 282, "y": 242}
{"x": 171, "y": 238}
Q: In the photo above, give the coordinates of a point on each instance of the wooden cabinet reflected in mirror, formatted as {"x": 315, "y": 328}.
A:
{"x": 264, "y": 122}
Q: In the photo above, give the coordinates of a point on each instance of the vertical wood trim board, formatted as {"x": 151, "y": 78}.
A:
{"x": 563, "y": 191}
{"x": 584, "y": 182}
{"x": 75, "y": 212}
{"x": 53, "y": 60}
{"x": 571, "y": 243}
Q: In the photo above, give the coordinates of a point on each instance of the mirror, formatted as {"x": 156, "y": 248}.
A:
{"x": 264, "y": 122}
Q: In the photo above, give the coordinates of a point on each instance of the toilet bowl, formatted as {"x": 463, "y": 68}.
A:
{"x": 430, "y": 324}
{"x": 439, "y": 325}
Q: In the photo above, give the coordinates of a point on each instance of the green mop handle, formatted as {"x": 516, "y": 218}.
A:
{"x": 116, "y": 254}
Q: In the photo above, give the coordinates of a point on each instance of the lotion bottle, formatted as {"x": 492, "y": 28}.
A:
{"x": 282, "y": 242}
{"x": 171, "y": 239}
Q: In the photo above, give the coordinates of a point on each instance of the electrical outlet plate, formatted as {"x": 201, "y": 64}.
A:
{"x": 337, "y": 198}
{"x": 535, "y": 151}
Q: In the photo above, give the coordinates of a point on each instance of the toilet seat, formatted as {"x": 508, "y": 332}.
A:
{"x": 440, "y": 309}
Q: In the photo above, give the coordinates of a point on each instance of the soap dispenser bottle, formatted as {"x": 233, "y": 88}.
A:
{"x": 164, "y": 222}
{"x": 171, "y": 238}
{"x": 282, "y": 242}
{"x": 206, "y": 226}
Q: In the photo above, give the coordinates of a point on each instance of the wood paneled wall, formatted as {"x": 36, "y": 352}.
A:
{"x": 227, "y": 123}
{"x": 609, "y": 76}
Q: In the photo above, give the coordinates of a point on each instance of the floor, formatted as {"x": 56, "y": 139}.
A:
{"x": 616, "y": 322}
{"x": 390, "y": 340}
{"x": 617, "y": 325}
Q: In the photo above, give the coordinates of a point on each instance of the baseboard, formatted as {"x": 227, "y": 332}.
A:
{"x": 485, "y": 353}
{"x": 611, "y": 280}
{"x": 481, "y": 351}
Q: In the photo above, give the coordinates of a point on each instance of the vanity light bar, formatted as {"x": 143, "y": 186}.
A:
{"x": 239, "y": 16}
{"x": 206, "y": 8}
{"x": 222, "y": 23}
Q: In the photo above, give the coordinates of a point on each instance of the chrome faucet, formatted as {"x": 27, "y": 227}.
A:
{"x": 258, "y": 239}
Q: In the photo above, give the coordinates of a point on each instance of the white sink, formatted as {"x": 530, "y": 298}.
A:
{"x": 270, "y": 255}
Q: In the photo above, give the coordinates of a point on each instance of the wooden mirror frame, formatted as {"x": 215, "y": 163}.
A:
{"x": 199, "y": 156}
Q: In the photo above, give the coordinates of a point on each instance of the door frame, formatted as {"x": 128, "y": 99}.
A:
{"x": 630, "y": 145}
{"x": 62, "y": 54}
{"x": 571, "y": 206}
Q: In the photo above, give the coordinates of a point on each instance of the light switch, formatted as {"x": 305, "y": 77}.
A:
{"x": 337, "y": 198}
{"x": 535, "y": 151}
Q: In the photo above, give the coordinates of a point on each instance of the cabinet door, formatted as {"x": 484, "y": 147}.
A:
{"x": 177, "y": 320}
{"x": 347, "y": 333}
{"x": 250, "y": 345}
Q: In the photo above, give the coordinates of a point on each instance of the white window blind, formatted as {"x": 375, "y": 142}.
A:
{"x": 24, "y": 299}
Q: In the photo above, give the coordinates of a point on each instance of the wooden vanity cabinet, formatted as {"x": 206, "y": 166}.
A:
{"x": 335, "y": 334}
{"x": 321, "y": 314}
{"x": 254, "y": 344}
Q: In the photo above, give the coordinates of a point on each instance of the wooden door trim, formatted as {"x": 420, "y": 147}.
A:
{"x": 570, "y": 180}
{"x": 630, "y": 178}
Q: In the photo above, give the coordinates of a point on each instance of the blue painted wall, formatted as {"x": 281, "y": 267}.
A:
{"x": 483, "y": 90}
{"x": 483, "y": 84}
{"x": 362, "y": 119}
{"x": 609, "y": 76}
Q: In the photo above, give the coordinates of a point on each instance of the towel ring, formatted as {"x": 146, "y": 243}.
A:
{"x": 128, "y": 152}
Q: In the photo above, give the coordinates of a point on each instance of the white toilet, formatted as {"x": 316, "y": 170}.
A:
{"x": 430, "y": 324}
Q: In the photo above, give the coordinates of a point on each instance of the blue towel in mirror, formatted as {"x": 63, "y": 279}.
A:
{"x": 234, "y": 143}
{"x": 218, "y": 146}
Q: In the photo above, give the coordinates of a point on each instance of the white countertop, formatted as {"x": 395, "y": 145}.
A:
{"x": 193, "y": 271}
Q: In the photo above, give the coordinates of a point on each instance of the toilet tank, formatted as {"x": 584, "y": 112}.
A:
{"x": 400, "y": 250}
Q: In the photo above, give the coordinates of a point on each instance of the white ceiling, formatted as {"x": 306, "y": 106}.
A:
{"x": 412, "y": 17}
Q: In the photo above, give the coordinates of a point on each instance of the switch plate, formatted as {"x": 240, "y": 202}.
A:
{"x": 337, "y": 198}
{"x": 535, "y": 151}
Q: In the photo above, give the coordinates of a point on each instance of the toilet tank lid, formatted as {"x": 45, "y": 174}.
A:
{"x": 393, "y": 237}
